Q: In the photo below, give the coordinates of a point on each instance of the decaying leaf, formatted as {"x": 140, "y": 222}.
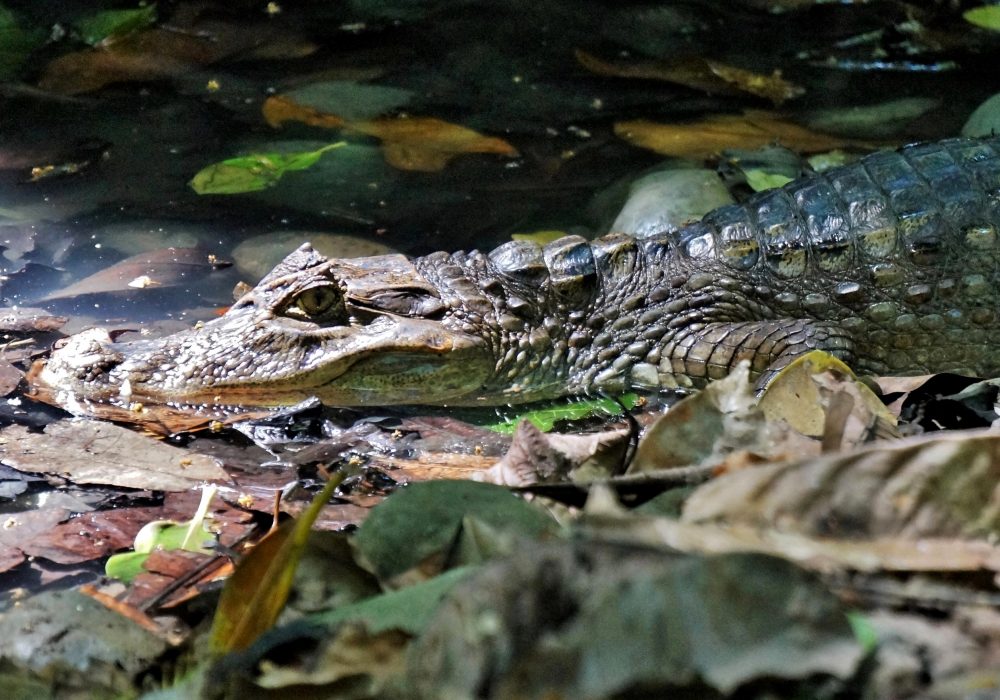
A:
{"x": 408, "y": 143}
{"x": 818, "y": 396}
{"x": 90, "y": 452}
{"x": 713, "y": 77}
{"x": 940, "y": 485}
{"x": 535, "y": 457}
{"x": 720, "y": 426}
{"x": 165, "y": 267}
{"x": 752, "y": 129}
{"x": 23, "y": 319}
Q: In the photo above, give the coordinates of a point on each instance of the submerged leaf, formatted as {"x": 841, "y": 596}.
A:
{"x": 166, "y": 267}
{"x": 254, "y": 172}
{"x": 713, "y": 77}
{"x": 753, "y": 129}
{"x": 113, "y": 24}
{"x": 16, "y": 43}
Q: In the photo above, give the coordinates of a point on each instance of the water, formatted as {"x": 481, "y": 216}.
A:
{"x": 506, "y": 69}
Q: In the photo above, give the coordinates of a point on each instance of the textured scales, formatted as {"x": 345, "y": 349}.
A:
{"x": 891, "y": 263}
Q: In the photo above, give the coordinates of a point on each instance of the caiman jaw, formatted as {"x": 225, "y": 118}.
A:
{"x": 388, "y": 362}
{"x": 349, "y": 333}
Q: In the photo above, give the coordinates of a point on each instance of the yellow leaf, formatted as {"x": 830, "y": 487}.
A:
{"x": 753, "y": 129}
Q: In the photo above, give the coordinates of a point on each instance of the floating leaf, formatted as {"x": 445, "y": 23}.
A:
{"x": 753, "y": 129}
{"x": 575, "y": 409}
{"x": 987, "y": 17}
{"x": 114, "y": 24}
{"x": 255, "y": 594}
{"x": 254, "y": 172}
{"x": 279, "y": 109}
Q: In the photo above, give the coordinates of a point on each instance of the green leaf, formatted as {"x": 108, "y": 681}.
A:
{"x": 16, "y": 43}
{"x": 863, "y": 630}
{"x": 420, "y": 523}
{"x": 164, "y": 535}
{"x": 114, "y": 24}
{"x": 254, "y": 172}
{"x": 407, "y": 609}
{"x": 545, "y": 418}
{"x": 987, "y": 17}
{"x": 762, "y": 180}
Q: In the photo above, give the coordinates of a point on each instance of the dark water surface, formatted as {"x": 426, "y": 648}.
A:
{"x": 506, "y": 69}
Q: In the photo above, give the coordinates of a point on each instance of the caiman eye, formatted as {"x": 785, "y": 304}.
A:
{"x": 317, "y": 304}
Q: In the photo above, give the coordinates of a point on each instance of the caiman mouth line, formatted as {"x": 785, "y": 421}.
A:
{"x": 891, "y": 263}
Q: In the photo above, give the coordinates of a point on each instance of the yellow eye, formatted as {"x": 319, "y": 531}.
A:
{"x": 317, "y": 301}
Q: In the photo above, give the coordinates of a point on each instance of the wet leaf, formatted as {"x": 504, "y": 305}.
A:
{"x": 23, "y": 319}
{"x": 940, "y": 485}
{"x": 89, "y": 452}
{"x": 408, "y": 143}
{"x": 254, "y": 172}
{"x": 166, "y": 267}
{"x": 753, "y": 129}
{"x": 159, "y": 53}
{"x": 760, "y": 180}
{"x": 16, "y": 43}
{"x": 416, "y": 527}
{"x": 279, "y": 109}
{"x": 164, "y": 535}
{"x": 576, "y": 409}
{"x": 256, "y": 592}
{"x": 881, "y": 120}
{"x": 114, "y": 24}
{"x": 713, "y": 77}
{"x": 985, "y": 120}
{"x": 539, "y": 237}
{"x": 427, "y": 144}
{"x": 986, "y": 16}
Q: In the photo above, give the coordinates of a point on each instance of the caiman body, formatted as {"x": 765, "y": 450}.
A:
{"x": 891, "y": 263}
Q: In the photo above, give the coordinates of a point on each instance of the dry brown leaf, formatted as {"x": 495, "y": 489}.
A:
{"x": 91, "y": 452}
{"x": 941, "y": 485}
{"x": 753, "y": 129}
{"x": 698, "y": 73}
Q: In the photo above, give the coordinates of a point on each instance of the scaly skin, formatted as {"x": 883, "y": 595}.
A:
{"x": 891, "y": 263}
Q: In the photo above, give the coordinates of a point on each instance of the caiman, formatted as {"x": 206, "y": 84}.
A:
{"x": 891, "y": 263}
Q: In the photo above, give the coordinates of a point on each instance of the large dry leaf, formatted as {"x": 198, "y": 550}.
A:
{"x": 752, "y": 129}
{"x": 90, "y": 452}
{"x": 408, "y": 143}
{"x": 165, "y": 267}
{"x": 943, "y": 485}
{"x": 713, "y": 77}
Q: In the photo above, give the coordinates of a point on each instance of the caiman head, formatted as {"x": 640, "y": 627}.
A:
{"x": 357, "y": 332}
